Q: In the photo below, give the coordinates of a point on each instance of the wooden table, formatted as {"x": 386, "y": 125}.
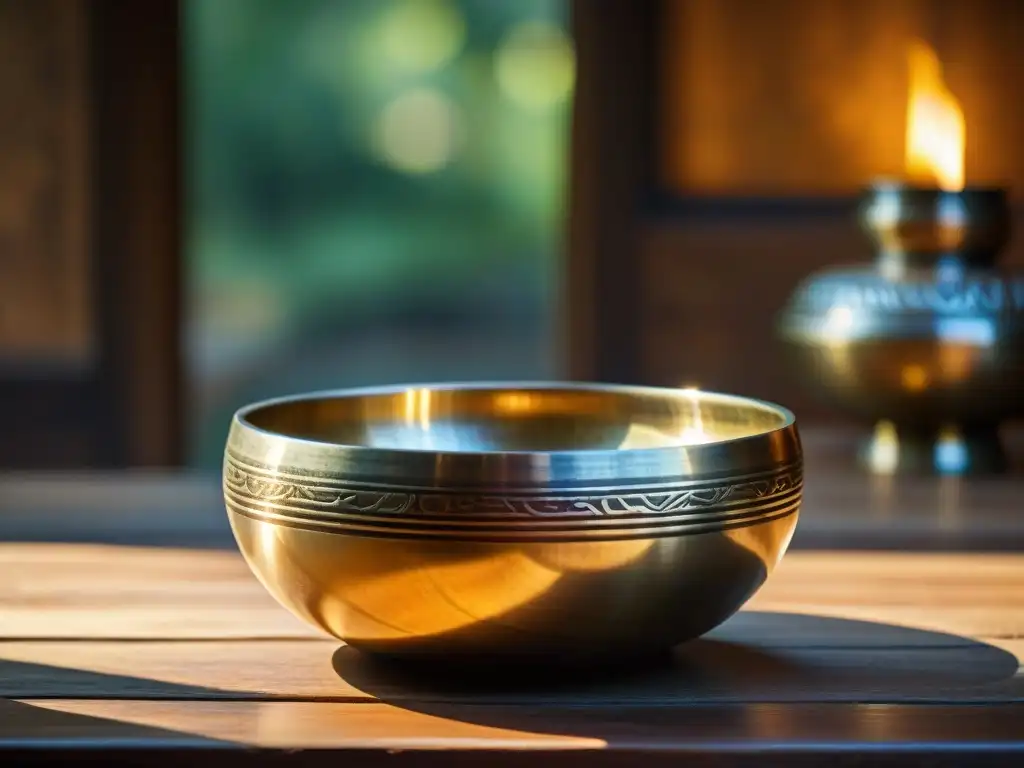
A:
{"x": 115, "y": 648}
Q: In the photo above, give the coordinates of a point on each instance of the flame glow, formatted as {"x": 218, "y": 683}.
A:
{"x": 935, "y": 124}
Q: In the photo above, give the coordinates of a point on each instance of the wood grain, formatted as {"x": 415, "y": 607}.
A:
{"x": 97, "y": 591}
{"x": 292, "y": 725}
{"x": 809, "y": 96}
{"x": 386, "y": 729}
{"x": 57, "y": 591}
{"x": 46, "y": 314}
{"x": 733, "y": 665}
{"x": 126, "y": 647}
{"x": 91, "y": 234}
{"x": 612, "y": 163}
{"x": 136, "y": 72}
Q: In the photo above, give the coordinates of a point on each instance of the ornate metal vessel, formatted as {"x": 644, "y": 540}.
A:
{"x": 558, "y": 521}
{"x": 928, "y": 342}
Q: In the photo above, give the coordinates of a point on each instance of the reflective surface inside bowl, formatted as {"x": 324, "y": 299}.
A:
{"x": 569, "y": 521}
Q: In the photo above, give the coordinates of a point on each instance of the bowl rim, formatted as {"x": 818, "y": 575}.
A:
{"x": 771, "y": 451}
{"x": 788, "y": 417}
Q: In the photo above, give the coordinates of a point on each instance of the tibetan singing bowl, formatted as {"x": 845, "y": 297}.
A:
{"x": 561, "y": 521}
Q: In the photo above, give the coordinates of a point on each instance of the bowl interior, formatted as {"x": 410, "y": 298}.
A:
{"x": 519, "y": 419}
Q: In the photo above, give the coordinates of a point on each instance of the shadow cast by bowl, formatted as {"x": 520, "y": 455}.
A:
{"x": 755, "y": 657}
{"x": 31, "y": 680}
{"x": 39, "y": 724}
{"x": 23, "y": 725}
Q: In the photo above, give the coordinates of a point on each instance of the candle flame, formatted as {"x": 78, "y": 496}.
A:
{"x": 935, "y": 124}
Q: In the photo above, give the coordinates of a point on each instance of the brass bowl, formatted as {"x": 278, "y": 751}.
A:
{"x": 565, "y": 521}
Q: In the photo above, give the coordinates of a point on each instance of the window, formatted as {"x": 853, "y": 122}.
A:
{"x": 375, "y": 192}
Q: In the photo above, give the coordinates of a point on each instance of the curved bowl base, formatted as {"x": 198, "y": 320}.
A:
{"x": 574, "y": 603}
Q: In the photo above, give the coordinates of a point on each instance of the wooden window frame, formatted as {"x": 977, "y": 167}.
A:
{"x": 126, "y": 409}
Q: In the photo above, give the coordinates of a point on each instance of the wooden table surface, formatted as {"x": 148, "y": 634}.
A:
{"x": 118, "y": 649}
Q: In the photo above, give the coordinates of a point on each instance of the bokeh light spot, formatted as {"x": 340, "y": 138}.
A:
{"x": 422, "y": 35}
{"x": 417, "y": 132}
{"x": 535, "y": 65}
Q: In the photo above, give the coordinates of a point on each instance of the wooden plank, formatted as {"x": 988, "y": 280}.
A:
{"x": 97, "y": 591}
{"x": 281, "y": 725}
{"x": 173, "y": 670}
{"x": 733, "y": 665}
{"x": 978, "y": 595}
{"x": 762, "y": 731}
{"x": 36, "y": 726}
{"x": 60, "y": 591}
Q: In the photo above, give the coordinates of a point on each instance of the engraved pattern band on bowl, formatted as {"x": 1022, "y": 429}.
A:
{"x": 289, "y": 497}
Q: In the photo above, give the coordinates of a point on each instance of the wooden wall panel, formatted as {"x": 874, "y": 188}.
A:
{"x": 809, "y": 96}
{"x": 613, "y": 160}
{"x": 45, "y": 309}
{"x": 90, "y": 234}
{"x": 713, "y": 290}
{"x": 982, "y": 45}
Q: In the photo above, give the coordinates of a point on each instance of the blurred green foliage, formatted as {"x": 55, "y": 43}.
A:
{"x": 363, "y": 164}
{"x": 287, "y": 196}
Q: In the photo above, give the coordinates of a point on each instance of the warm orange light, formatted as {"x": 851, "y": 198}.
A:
{"x": 935, "y": 124}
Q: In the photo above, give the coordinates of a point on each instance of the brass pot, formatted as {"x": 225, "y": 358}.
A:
{"x": 928, "y": 343}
